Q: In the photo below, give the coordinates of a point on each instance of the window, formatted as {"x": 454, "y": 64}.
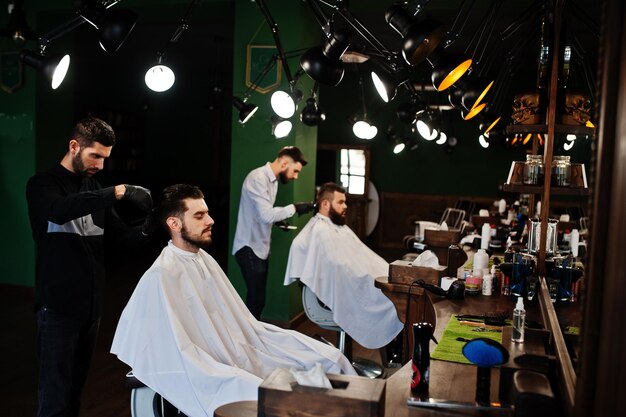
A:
{"x": 352, "y": 170}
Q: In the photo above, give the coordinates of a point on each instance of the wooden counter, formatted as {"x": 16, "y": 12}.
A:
{"x": 448, "y": 381}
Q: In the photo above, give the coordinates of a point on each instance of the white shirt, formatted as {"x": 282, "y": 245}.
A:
{"x": 257, "y": 213}
{"x": 340, "y": 270}
{"x": 187, "y": 335}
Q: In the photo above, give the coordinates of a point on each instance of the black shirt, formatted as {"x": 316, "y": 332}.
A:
{"x": 68, "y": 214}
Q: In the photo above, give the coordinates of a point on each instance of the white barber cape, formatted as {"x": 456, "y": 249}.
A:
{"x": 187, "y": 334}
{"x": 340, "y": 269}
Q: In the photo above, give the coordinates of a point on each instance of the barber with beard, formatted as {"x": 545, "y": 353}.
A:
{"x": 256, "y": 216}
{"x": 69, "y": 212}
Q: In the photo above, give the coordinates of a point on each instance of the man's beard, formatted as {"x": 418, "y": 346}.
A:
{"x": 77, "y": 164}
{"x": 283, "y": 178}
{"x": 336, "y": 217}
{"x": 198, "y": 241}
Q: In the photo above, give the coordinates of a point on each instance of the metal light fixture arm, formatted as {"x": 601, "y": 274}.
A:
{"x": 279, "y": 48}
{"x": 180, "y": 29}
{"x": 66, "y": 27}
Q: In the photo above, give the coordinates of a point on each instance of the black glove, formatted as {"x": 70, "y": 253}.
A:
{"x": 140, "y": 196}
{"x": 304, "y": 208}
{"x": 150, "y": 224}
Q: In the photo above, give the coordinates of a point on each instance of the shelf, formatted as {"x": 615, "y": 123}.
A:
{"x": 573, "y": 129}
{"x": 536, "y": 189}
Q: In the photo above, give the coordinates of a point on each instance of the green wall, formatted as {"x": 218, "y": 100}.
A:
{"x": 17, "y": 163}
{"x": 253, "y": 145}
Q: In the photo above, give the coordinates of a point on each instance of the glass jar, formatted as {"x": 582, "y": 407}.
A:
{"x": 533, "y": 170}
{"x": 561, "y": 171}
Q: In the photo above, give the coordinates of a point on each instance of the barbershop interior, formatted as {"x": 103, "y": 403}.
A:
{"x": 478, "y": 145}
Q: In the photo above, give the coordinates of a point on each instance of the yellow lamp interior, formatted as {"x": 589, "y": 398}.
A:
{"x": 455, "y": 74}
{"x": 482, "y": 95}
{"x": 474, "y": 111}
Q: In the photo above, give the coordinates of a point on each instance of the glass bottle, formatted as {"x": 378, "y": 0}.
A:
{"x": 533, "y": 170}
{"x": 561, "y": 171}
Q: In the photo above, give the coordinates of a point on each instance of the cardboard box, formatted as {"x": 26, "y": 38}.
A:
{"x": 402, "y": 272}
{"x": 281, "y": 396}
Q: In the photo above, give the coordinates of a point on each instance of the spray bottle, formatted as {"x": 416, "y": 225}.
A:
{"x": 519, "y": 316}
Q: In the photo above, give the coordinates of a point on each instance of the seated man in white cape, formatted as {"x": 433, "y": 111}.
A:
{"x": 340, "y": 270}
{"x": 187, "y": 334}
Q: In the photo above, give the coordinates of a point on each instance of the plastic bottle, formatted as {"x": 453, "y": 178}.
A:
{"x": 420, "y": 363}
{"x": 487, "y": 284}
{"x": 481, "y": 261}
{"x": 519, "y": 316}
{"x": 485, "y": 235}
{"x": 574, "y": 241}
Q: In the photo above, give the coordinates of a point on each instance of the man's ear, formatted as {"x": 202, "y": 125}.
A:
{"x": 174, "y": 223}
{"x": 74, "y": 147}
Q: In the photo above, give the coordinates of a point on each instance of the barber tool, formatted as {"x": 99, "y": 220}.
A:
{"x": 480, "y": 325}
{"x": 455, "y": 292}
{"x": 285, "y": 226}
{"x": 492, "y": 318}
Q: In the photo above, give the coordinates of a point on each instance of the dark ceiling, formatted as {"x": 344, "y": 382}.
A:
{"x": 509, "y": 48}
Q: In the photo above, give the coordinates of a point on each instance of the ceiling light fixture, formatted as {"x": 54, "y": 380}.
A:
{"x": 52, "y": 67}
{"x": 160, "y": 77}
{"x": 113, "y": 26}
{"x": 312, "y": 114}
{"x": 362, "y": 128}
{"x": 419, "y": 38}
{"x": 281, "y": 127}
{"x": 442, "y": 138}
{"x": 323, "y": 64}
{"x": 283, "y": 103}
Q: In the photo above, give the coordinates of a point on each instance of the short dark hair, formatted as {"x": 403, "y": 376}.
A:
{"x": 90, "y": 130}
{"x": 172, "y": 201}
{"x": 327, "y": 191}
{"x": 294, "y": 153}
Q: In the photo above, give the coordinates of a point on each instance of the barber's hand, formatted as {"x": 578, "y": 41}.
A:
{"x": 139, "y": 196}
{"x": 304, "y": 208}
{"x": 150, "y": 224}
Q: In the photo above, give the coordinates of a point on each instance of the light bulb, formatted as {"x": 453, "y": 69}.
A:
{"x": 60, "y": 71}
{"x": 160, "y": 78}
{"x": 283, "y": 104}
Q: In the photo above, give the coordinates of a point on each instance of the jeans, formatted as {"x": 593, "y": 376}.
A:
{"x": 65, "y": 346}
{"x": 254, "y": 270}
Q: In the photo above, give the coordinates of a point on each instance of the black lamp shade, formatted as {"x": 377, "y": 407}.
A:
{"x": 455, "y": 97}
{"x": 114, "y": 25}
{"x": 420, "y": 39}
{"x": 324, "y": 64}
{"x": 246, "y": 110}
{"x": 476, "y": 92}
{"x": 47, "y": 65}
{"x": 117, "y": 27}
{"x": 448, "y": 69}
{"x": 312, "y": 114}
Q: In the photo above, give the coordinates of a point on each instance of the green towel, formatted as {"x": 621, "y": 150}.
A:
{"x": 449, "y": 349}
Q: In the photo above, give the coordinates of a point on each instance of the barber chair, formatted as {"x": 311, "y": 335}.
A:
{"x": 321, "y": 315}
{"x": 144, "y": 402}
